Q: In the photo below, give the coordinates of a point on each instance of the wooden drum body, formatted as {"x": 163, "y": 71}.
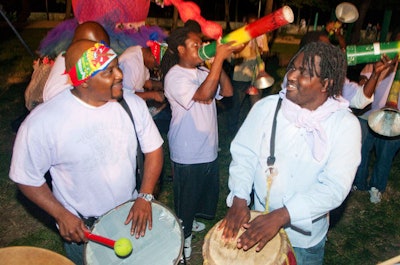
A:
{"x": 278, "y": 251}
{"x": 26, "y": 255}
{"x": 161, "y": 245}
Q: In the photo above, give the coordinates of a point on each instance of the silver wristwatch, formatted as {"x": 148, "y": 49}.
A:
{"x": 146, "y": 196}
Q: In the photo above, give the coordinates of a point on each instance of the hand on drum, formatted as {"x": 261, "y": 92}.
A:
{"x": 262, "y": 229}
{"x": 258, "y": 232}
{"x": 238, "y": 214}
{"x": 141, "y": 216}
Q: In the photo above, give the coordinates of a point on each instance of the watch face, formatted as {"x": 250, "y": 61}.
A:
{"x": 147, "y": 197}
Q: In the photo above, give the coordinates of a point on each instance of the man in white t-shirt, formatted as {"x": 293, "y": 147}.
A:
{"x": 85, "y": 138}
{"x": 192, "y": 91}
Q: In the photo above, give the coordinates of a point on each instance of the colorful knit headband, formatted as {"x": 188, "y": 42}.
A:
{"x": 93, "y": 60}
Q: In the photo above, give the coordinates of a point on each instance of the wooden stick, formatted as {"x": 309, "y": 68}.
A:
{"x": 391, "y": 261}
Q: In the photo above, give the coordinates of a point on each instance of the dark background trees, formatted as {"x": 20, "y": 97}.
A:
{"x": 371, "y": 11}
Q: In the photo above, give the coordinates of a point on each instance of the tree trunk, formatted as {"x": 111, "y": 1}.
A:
{"x": 68, "y": 9}
{"x": 175, "y": 18}
{"x": 268, "y": 7}
{"x": 227, "y": 17}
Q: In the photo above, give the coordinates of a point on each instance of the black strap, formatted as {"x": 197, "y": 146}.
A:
{"x": 271, "y": 158}
{"x": 139, "y": 153}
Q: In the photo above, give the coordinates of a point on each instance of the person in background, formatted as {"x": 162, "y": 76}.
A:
{"x": 49, "y": 79}
{"x": 245, "y": 65}
{"x": 136, "y": 62}
{"x": 85, "y": 138}
{"x": 192, "y": 90}
{"x": 334, "y": 30}
{"x": 385, "y": 148}
{"x": 57, "y": 80}
{"x": 360, "y": 94}
{"x": 300, "y": 168}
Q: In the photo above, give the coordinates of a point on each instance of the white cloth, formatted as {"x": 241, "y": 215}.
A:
{"x": 308, "y": 188}
{"x": 57, "y": 80}
{"x": 382, "y": 89}
{"x": 193, "y": 131}
{"x": 354, "y": 93}
{"x": 135, "y": 72}
{"x": 311, "y": 120}
{"x": 90, "y": 151}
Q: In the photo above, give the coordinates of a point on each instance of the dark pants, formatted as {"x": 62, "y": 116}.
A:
{"x": 311, "y": 256}
{"x": 196, "y": 191}
{"x": 74, "y": 252}
{"x": 239, "y": 95}
{"x": 385, "y": 150}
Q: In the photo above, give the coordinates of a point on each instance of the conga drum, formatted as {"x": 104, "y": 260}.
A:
{"x": 278, "y": 251}
{"x": 25, "y": 255}
{"x": 162, "y": 245}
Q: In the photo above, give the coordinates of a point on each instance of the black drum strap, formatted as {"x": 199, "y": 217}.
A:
{"x": 139, "y": 153}
{"x": 271, "y": 158}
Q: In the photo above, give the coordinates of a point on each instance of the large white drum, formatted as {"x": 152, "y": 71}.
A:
{"x": 161, "y": 245}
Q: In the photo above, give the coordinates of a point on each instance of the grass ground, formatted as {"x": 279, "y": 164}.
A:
{"x": 360, "y": 233}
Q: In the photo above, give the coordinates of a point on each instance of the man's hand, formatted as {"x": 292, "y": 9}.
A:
{"x": 262, "y": 229}
{"x": 141, "y": 217}
{"x": 238, "y": 215}
{"x": 71, "y": 227}
{"x": 384, "y": 64}
{"x": 258, "y": 232}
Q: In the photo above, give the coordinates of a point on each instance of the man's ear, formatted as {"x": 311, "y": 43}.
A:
{"x": 181, "y": 49}
{"x": 326, "y": 83}
{"x": 85, "y": 84}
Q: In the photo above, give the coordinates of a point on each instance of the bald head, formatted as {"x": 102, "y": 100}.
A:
{"x": 91, "y": 30}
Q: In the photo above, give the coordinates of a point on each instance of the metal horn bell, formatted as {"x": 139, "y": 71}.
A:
{"x": 263, "y": 80}
{"x": 346, "y": 12}
{"x": 386, "y": 121}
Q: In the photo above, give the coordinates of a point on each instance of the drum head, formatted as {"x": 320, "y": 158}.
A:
{"x": 162, "y": 245}
{"x": 217, "y": 252}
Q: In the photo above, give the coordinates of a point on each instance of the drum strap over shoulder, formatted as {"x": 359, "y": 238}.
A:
{"x": 271, "y": 157}
{"x": 139, "y": 153}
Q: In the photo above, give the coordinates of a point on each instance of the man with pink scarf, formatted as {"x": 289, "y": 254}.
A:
{"x": 301, "y": 168}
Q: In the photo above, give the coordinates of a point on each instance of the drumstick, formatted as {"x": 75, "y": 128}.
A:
{"x": 122, "y": 247}
{"x": 100, "y": 239}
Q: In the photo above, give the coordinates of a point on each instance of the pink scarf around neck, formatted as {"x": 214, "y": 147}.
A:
{"x": 311, "y": 120}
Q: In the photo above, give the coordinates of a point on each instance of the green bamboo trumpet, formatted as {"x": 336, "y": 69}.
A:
{"x": 357, "y": 54}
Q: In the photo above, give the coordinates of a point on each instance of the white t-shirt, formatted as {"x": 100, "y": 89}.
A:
{"x": 193, "y": 131}
{"x": 135, "y": 72}
{"x": 57, "y": 80}
{"x": 90, "y": 151}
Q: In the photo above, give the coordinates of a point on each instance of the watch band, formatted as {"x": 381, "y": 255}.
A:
{"x": 146, "y": 196}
